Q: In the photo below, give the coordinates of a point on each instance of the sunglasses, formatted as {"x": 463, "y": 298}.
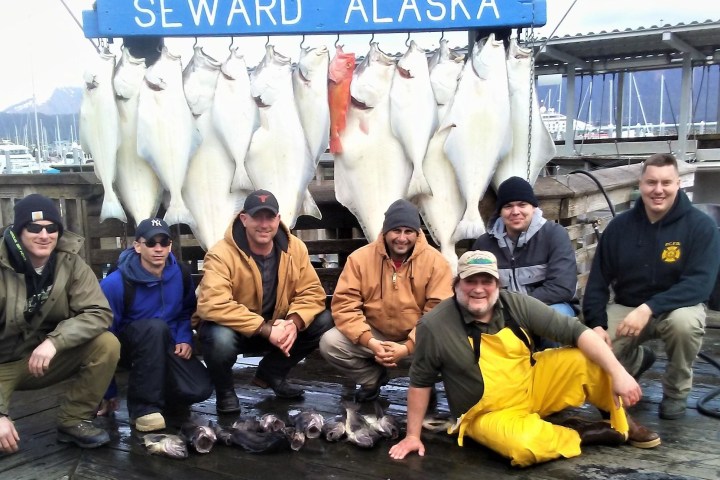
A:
{"x": 37, "y": 228}
{"x": 165, "y": 242}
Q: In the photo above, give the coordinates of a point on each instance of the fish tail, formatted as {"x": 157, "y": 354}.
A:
{"x": 469, "y": 227}
{"x": 111, "y": 208}
{"x": 335, "y": 144}
{"x": 178, "y": 212}
{"x": 418, "y": 184}
{"x": 309, "y": 207}
{"x": 241, "y": 180}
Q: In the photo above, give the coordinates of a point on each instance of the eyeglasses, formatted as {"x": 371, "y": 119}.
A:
{"x": 165, "y": 242}
{"x": 37, "y": 228}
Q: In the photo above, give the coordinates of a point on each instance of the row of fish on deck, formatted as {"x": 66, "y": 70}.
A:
{"x": 269, "y": 433}
{"x": 436, "y": 131}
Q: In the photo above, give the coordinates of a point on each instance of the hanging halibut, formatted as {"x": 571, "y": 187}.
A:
{"x": 210, "y": 172}
{"x": 542, "y": 147}
{"x": 166, "y": 134}
{"x": 481, "y": 131}
{"x": 445, "y": 67}
{"x": 137, "y": 184}
{"x": 413, "y": 113}
{"x": 279, "y": 159}
{"x": 310, "y": 87}
{"x": 100, "y": 132}
{"x": 372, "y": 171}
{"x": 340, "y": 74}
{"x": 235, "y": 115}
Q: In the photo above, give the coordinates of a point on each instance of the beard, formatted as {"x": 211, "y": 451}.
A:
{"x": 477, "y": 312}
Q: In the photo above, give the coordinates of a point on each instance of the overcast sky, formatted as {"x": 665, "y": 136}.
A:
{"x": 42, "y": 45}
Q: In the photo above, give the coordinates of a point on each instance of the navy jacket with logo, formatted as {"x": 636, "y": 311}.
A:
{"x": 669, "y": 264}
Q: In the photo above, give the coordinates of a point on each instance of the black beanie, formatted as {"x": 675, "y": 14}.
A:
{"x": 401, "y": 213}
{"x": 35, "y": 207}
{"x": 515, "y": 189}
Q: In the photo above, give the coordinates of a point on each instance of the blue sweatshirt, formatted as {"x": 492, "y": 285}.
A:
{"x": 669, "y": 264}
{"x": 154, "y": 297}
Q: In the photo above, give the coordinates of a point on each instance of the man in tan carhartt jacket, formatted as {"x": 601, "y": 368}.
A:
{"x": 381, "y": 294}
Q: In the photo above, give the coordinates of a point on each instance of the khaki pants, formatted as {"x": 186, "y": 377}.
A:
{"x": 682, "y": 332}
{"x": 354, "y": 360}
{"x": 89, "y": 367}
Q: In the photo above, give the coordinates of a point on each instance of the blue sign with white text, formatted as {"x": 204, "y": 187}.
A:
{"x": 168, "y": 18}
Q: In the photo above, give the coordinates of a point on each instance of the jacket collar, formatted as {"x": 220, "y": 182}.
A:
{"x": 236, "y": 235}
{"x": 498, "y": 230}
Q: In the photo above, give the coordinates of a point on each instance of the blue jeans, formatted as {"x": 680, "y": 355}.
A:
{"x": 221, "y": 346}
{"x": 565, "y": 309}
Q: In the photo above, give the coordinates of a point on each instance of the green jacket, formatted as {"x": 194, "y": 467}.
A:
{"x": 76, "y": 310}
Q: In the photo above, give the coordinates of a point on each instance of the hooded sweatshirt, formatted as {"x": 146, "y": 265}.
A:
{"x": 669, "y": 264}
{"x": 154, "y": 297}
{"x": 372, "y": 293}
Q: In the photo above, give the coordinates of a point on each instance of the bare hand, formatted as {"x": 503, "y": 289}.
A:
{"x": 283, "y": 335}
{"x": 9, "y": 437}
{"x": 382, "y": 356}
{"x": 634, "y": 323}
{"x": 407, "y": 445}
{"x": 394, "y": 352}
{"x": 108, "y": 407}
{"x": 183, "y": 350}
{"x": 627, "y": 388}
{"x": 602, "y": 333}
{"x": 40, "y": 358}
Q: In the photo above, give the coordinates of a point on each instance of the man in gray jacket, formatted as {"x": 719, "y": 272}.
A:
{"x": 54, "y": 323}
{"x": 535, "y": 256}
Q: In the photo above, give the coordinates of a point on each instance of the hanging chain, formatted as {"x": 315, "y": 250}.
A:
{"x": 530, "y": 43}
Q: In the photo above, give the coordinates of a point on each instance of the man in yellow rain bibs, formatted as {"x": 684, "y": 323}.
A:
{"x": 481, "y": 341}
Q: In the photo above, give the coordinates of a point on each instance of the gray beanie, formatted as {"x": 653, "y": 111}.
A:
{"x": 401, "y": 213}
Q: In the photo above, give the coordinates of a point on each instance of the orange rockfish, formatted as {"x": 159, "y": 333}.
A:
{"x": 340, "y": 74}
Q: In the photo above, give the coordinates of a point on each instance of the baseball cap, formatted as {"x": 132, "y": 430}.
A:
{"x": 261, "y": 200}
{"x": 150, "y": 227}
{"x": 477, "y": 261}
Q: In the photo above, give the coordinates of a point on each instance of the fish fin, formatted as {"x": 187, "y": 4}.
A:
{"x": 111, "y": 208}
{"x": 309, "y": 207}
{"x": 241, "y": 180}
{"x": 418, "y": 185}
{"x": 364, "y": 126}
{"x": 468, "y": 229}
{"x": 178, "y": 212}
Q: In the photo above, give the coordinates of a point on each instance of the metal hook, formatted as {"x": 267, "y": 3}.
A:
{"x": 267, "y": 42}
{"x": 337, "y": 40}
{"x": 232, "y": 40}
{"x": 407, "y": 40}
{"x": 372, "y": 38}
{"x": 195, "y": 44}
{"x": 302, "y": 42}
{"x": 442, "y": 35}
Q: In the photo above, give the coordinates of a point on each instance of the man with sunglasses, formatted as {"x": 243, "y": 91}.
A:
{"x": 154, "y": 329}
{"x": 259, "y": 293}
{"x": 53, "y": 326}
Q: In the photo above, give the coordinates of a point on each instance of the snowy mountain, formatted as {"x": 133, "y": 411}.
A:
{"x": 63, "y": 101}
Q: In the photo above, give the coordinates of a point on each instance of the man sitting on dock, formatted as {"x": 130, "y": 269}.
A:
{"x": 259, "y": 293}
{"x": 54, "y": 324}
{"x": 482, "y": 342}
{"x": 152, "y": 297}
{"x": 383, "y": 290}
{"x": 661, "y": 258}
{"x": 535, "y": 257}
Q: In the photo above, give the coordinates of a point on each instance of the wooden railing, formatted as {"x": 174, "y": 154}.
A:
{"x": 573, "y": 200}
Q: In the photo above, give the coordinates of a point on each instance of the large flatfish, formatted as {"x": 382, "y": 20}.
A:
{"x": 136, "y": 182}
{"x": 278, "y": 159}
{"x": 235, "y": 115}
{"x": 167, "y": 136}
{"x": 100, "y": 130}
{"x": 542, "y": 147}
{"x": 480, "y": 128}
{"x": 445, "y": 66}
{"x": 372, "y": 171}
{"x": 413, "y": 113}
{"x": 210, "y": 172}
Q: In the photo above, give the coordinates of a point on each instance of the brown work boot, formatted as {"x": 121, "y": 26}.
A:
{"x": 640, "y": 436}
{"x": 594, "y": 432}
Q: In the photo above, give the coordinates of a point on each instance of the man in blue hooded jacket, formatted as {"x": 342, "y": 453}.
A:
{"x": 661, "y": 259}
{"x": 154, "y": 329}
